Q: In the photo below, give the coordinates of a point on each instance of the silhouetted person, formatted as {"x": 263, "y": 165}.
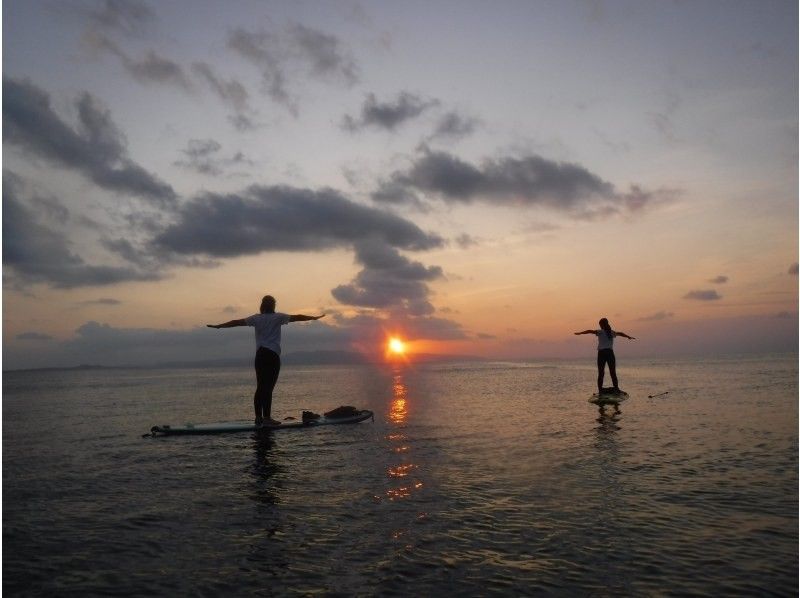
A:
{"x": 605, "y": 352}
{"x": 268, "y": 349}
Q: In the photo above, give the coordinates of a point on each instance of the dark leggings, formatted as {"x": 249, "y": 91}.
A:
{"x": 606, "y": 356}
{"x": 268, "y": 367}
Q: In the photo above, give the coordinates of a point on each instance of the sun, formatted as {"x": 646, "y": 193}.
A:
{"x": 396, "y": 346}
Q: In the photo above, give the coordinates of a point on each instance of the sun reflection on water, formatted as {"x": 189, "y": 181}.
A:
{"x": 399, "y": 442}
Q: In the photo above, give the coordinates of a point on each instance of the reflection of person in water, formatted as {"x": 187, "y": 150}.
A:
{"x": 268, "y": 362}
{"x": 605, "y": 352}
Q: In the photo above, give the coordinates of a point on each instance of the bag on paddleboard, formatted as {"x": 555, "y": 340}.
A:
{"x": 310, "y": 416}
{"x": 343, "y": 411}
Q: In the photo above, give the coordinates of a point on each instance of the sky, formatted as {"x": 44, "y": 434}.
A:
{"x": 477, "y": 178}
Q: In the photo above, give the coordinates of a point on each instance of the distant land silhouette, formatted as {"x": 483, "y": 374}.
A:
{"x": 295, "y": 358}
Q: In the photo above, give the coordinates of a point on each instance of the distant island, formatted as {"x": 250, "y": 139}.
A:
{"x": 295, "y": 358}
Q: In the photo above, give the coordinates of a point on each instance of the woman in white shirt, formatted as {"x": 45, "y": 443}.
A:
{"x": 605, "y": 352}
{"x": 268, "y": 350}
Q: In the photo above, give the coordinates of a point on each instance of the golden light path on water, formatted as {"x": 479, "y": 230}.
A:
{"x": 398, "y": 414}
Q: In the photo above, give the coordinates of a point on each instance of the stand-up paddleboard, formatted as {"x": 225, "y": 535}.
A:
{"x": 609, "y": 396}
{"x": 222, "y": 428}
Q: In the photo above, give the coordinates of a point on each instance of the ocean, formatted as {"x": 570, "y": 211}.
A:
{"x": 475, "y": 479}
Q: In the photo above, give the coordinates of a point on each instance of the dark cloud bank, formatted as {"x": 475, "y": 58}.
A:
{"x": 281, "y": 218}
{"x": 513, "y": 181}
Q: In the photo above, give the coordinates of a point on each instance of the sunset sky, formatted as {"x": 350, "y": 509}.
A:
{"x": 478, "y": 178}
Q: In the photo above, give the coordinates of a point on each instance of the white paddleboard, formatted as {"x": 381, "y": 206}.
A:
{"x": 222, "y": 428}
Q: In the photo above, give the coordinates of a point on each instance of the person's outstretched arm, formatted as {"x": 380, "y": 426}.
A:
{"x": 302, "y": 318}
{"x": 587, "y": 332}
{"x": 623, "y": 335}
{"x": 231, "y": 324}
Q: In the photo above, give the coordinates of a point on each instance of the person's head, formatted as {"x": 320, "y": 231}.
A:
{"x": 605, "y": 325}
{"x": 267, "y": 305}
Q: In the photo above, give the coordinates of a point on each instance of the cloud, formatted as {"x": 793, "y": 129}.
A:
{"x": 721, "y": 279}
{"x": 290, "y": 219}
{"x": 37, "y": 253}
{"x": 201, "y": 155}
{"x": 264, "y": 50}
{"x": 281, "y": 55}
{"x": 657, "y": 317}
{"x": 388, "y": 115}
{"x": 513, "y": 181}
{"x": 231, "y": 92}
{"x": 453, "y": 125}
{"x": 131, "y": 18}
{"x": 323, "y": 53}
{"x": 51, "y": 207}
{"x": 284, "y": 219}
{"x": 466, "y": 241}
{"x": 96, "y": 149}
{"x": 704, "y": 295}
{"x": 388, "y": 281}
{"x": 102, "y": 301}
{"x": 33, "y": 336}
{"x": 152, "y": 68}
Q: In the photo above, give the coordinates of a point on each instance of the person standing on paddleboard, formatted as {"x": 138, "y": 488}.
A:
{"x": 268, "y": 350}
{"x": 605, "y": 352}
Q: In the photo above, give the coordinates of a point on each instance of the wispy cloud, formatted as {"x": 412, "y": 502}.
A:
{"x": 721, "y": 279}
{"x": 33, "y": 336}
{"x": 36, "y": 253}
{"x": 202, "y": 155}
{"x": 465, "y": 241}
{"x": 657, "y": 317}
{"x": 103, "y": 301}
{"x": 96, "y": 148}
{"x": 390, "y": 114}
{"x": 232, "y": 92}
{"x": 453, "y": 126}
{"x": 131, "y": 18}
{"x": 324, "y": 54}
{"x": 703, "y": 295}
{"x": 151, "y": 68}
{"x": 282, "y": 56}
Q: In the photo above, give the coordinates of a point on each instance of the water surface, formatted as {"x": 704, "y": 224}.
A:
{"x": 474, "y": 479}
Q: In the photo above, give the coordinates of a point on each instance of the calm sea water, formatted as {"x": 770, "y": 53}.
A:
{"x": 474, "y": 479}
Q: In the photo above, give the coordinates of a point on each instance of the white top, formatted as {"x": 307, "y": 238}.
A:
{"x": 604, "y": 341}
{"x": 268, "y": 329}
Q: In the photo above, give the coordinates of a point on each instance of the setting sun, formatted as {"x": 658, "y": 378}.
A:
{"x": 396, "y": 346}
